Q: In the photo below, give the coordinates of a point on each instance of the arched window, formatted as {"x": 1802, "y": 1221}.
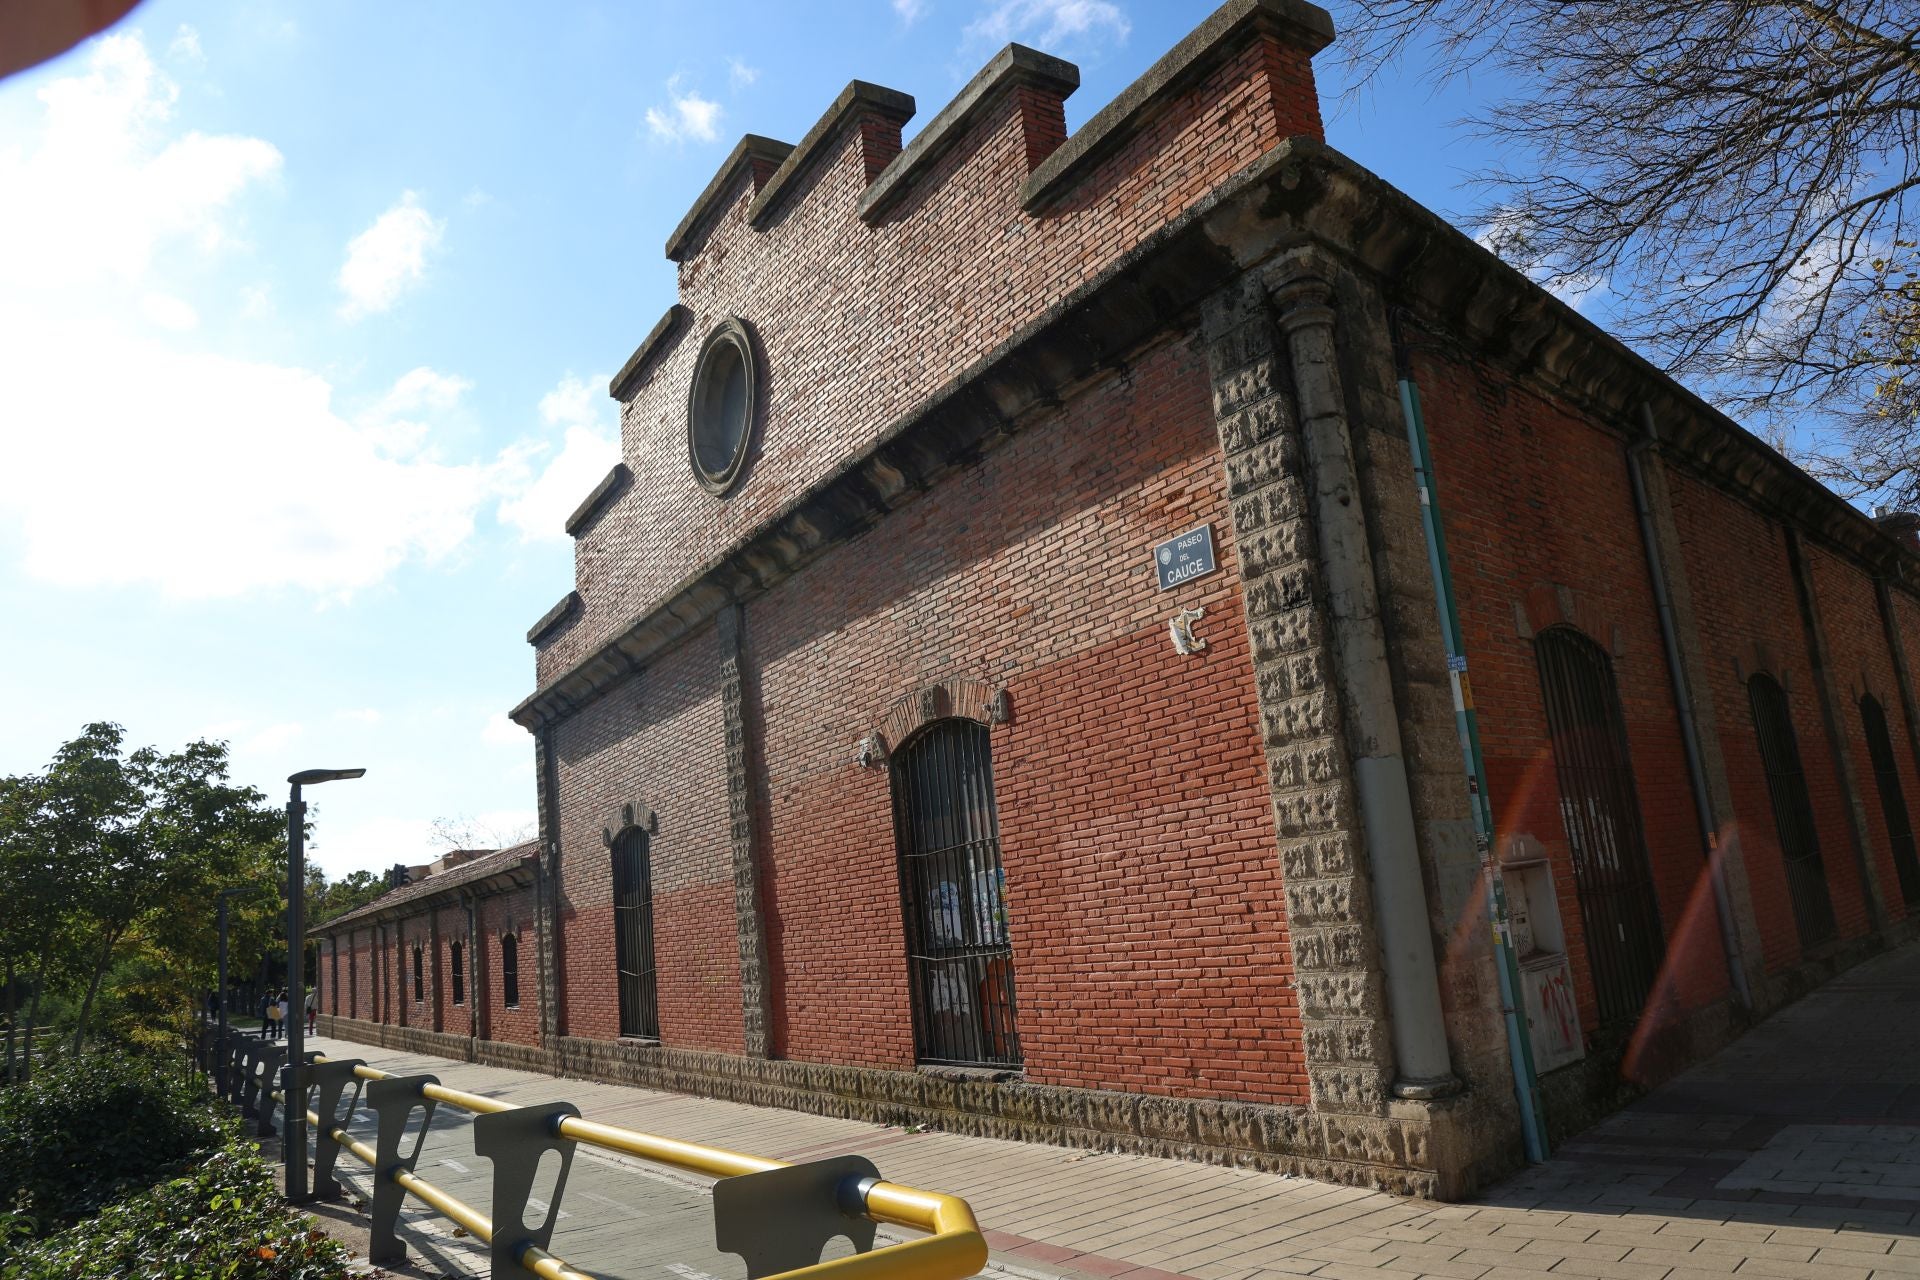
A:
{"x": 1893, "y": 802}
{"x": 454, "y": 953}
{"x": 510, "y": 971}
{"x": 419, "y": 976}
{"x": 1792, "y": 811}
{"x": 954, "y": 897}
{"x": 1601, "y": 810}
{"x": 633, "y": 935}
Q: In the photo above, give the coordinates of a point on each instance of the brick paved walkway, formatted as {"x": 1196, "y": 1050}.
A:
{"x": 1793, "y": 1155}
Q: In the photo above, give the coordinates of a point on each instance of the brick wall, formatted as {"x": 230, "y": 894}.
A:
{"x": 1147, "y": 918}
{"x": 500, "y": 915}
{"x": 860, "y": 323}
{"x": 1535, "y": 497}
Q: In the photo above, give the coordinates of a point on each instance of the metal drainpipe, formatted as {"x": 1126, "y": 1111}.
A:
{"x": 1526, "y": 1081}
{"x": 1683, "y": 698}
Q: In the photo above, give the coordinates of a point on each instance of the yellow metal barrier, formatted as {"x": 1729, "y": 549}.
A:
{"x": 952, "y": 1250}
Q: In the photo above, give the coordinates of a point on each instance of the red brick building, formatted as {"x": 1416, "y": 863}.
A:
{"x": 1083, "y": 625}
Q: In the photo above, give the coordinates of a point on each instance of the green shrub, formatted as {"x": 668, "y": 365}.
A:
{"x": 221, "y": 1221}
{"x": 86, "y": 1130}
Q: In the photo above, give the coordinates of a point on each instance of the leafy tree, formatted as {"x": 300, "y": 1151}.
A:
{"x": 1740, "y": 176}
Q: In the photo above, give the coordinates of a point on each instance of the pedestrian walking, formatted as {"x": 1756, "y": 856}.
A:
{"x": 285, "y": 1009}
{"x": 313, "y": 1012}
{"x": 275, "y": 1019}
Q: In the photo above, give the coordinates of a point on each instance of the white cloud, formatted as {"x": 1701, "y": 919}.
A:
{"x": 740, "y": 75}
{"x": 273, "y": 738}
{"x": 389, "y": 258}
{"x": 1044, "y": 22}
{"x": 589, "y": 445}
{"x": 170, "y": 313}
{"x": 359, "y": 715}
{"x": 105, "y": 187}
{"x": 686, "y": 115}
{"x": 185, "y": 46}
{"x": 910, "y": 11}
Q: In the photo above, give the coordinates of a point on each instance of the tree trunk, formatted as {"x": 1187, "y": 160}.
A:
{"x": 33, "y": 1005}
{"x": 13, "y": 1023}
{"x": 93, "y": 987}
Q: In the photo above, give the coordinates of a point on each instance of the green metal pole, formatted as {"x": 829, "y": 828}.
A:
{"x": 1526, "y": 1081}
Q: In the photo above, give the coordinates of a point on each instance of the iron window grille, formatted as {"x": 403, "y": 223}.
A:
{"x": 633, "y": 935}
{"x": 510, "y": 971}
{"x": 419, "y": 975}
{"x": 954, "y": 898}
{"x": 1893, "y": 801}
{"x": 1792, "y": 811}
{"x": 1600, "y": 807}
{"x": 353, "y": 977}
{"x": 333, "y": 979}
{"x": 454, "y": 951}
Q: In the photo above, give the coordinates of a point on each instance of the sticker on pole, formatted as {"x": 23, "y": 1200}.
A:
{"x": 1184, "y": 558}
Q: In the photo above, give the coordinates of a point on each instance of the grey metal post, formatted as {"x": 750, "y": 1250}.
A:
{"x": 295, "y": 1145}
{"x": 781, "y": 1219}
{"x": 330, "y": 1080}
{"x": 515, "y": 1140}
{"x": 393, "y": 1100}
{"x": 269, "y": 1057}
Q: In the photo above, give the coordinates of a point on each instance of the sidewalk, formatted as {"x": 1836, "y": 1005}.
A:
{"x": 1793, "y": 1155}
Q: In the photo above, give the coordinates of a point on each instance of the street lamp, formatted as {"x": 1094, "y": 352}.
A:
{"x": 296, "y": 1126}
{"x": 220, "y": 1042}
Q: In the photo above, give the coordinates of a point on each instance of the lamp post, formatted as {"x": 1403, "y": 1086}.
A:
{"x": 220, "y": 1040}
{"x": 296, "y": 1126}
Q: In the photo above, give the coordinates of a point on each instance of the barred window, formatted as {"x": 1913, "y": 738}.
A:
{"x": 510, "y": 971}
{"x": 954, "y": 897}
{"x": 1601, "y": 809}
{"x": 419, "y": 976}
{"x": 633, "y": 935}
{"x": 454, "y": 953}
{"x": 1893, "y": 800}
{"x": 1792, "y": 811}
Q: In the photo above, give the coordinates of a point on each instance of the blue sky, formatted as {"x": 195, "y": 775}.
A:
{"x": 306, "y": 320}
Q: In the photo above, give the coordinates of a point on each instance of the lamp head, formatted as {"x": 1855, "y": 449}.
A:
{"x": 308, "y": 777}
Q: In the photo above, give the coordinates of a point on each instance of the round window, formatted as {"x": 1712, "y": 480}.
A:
{"x": 720, "y": 406}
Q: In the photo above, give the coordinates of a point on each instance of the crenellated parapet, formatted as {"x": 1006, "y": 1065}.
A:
{"x": 865, "y": 276}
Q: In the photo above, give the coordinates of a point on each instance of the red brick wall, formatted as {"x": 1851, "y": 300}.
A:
{"x": 859, "y": 324}
{"x": 1147, "y": 915}
{"x": 1860, "y": 663}
{"x": 1748, "y": 614}
{"x": 499, "y": 915}
{"x": 660, "y": 744}
{"x": 1533, "y": 496}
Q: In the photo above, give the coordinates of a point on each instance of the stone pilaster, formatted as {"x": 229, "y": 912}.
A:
{"x": 1817, "y": 658}
{"x": 755, "y": 994}
{"x": 1335, "y": 950}
{"x": 549, "y": 975}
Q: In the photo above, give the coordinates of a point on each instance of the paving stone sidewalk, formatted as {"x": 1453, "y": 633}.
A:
{"x": 1792, "y": 1155}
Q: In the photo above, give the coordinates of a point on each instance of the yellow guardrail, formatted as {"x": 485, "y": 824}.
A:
{"x": 952, "y": 1250}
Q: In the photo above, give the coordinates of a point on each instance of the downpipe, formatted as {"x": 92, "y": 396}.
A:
{"x": 1526, "y": 1080}
{"x": 1683, "y": 699}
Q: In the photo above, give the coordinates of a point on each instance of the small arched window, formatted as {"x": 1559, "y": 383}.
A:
{"x": 459, "y": 976}
{"x": 1601, "y": 810}
{"x": 419, "y": 976}
{"x": 1792, "y": 811}
{"x": 954, "y": 897}
{"x": 1893, "y": 800}
{"x": 510, "y": 971}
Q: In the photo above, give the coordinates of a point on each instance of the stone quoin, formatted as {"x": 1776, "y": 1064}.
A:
{"x": 875, "y": 778}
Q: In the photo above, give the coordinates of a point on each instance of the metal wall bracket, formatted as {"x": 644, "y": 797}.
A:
{"x": 780, "y": 1220}
{"x": 260, "y": 1086}
{"x": 515, "y": 1140}
{"x": 393, "y": 1101}
{"x": 330, "y": 1080}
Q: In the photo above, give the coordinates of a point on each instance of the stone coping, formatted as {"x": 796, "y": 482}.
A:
{"x": 1013, "y": 66}
{"x": 857, "y": 98}
{"x": 602, "y": 496}
{"x": 1306, "y": 25}
{"x": 553, "y": 617}
{"x": 627, "y": 381}
{"x": 751, "y": 147}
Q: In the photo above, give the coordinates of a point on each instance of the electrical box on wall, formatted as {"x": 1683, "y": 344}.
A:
{"x": 1546, "y": 981}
